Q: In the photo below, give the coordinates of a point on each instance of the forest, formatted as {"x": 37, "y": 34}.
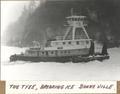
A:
{"x": 46, "y": 21}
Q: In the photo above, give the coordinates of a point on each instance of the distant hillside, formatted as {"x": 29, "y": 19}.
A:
{"x": 47, "y": 21}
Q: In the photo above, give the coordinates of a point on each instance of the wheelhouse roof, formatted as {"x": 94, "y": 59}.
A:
{"x": 76, "y": 17}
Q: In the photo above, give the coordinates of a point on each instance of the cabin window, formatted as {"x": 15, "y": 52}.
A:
{"x": 63, "y": 42}
{"x": 42, "y": 52}
{"x": 72, "y": 19}
{"x": 60, "y": 48}
{"x": 46, "y": 52}
{"x": 77, "y": 42}
{"x": 87, "y": 42}
{"x": 69, "y": 42}
{"x": 52, "y": 52}
{"x": 65, "y": 51}
{"x": 75, "y": 19}
{"x": 31, "y": 52}
{"x": 68, "y": 51}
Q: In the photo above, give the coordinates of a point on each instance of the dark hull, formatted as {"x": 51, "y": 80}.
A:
{"x": 42, "y": 59}
{"x": 62, "y": 59}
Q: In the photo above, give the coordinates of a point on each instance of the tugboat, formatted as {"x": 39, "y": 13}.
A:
{"x": 74, "y": 46}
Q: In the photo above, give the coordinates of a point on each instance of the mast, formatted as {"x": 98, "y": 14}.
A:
{"x": 71, "y": 11}
{"x": 73, "y": 29}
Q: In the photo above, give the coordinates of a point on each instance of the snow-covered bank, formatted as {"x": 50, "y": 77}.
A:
{"x": 95, "y": 70}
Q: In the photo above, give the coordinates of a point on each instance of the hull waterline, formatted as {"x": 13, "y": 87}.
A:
{"x": 63, "y": 59}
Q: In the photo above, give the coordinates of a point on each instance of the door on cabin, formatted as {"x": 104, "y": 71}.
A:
{"x": 46, "y": 53}
{"x": 56, "y": 53}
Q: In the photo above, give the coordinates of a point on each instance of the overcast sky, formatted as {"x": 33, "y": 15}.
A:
{"x": 10, "y": 11}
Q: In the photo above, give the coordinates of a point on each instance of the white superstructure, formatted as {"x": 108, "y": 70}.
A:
{"x": 76, "y": 40}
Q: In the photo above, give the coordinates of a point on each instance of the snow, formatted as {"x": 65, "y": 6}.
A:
{"x": 94, "y": 70}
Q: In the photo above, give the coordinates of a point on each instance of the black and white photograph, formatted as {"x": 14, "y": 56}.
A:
{"x": 60, "y": 40}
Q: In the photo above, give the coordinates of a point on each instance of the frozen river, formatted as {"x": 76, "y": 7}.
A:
{"x": 94, "y": 70}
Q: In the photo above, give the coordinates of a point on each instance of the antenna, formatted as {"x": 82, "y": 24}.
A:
{"x": 71, "y": 11}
